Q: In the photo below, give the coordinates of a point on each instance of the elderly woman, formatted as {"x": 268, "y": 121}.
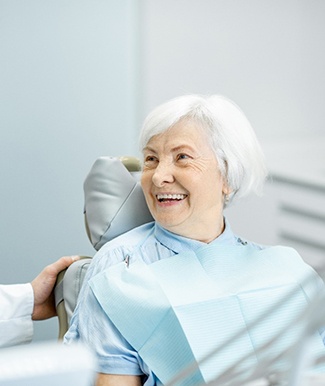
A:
{"x": 167, "y": 294}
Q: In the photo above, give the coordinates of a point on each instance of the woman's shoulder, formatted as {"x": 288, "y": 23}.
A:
{"x": 114, "y": 251}
{"x": 267, "y": 249}
{"x": 288, "y": 259}
{"x": 130, "y": 238}
{"x": 285, "y": 254}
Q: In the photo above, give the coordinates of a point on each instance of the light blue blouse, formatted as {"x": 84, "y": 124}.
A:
{"x": 148, "y": 243}
{"x": 91, "y": 325}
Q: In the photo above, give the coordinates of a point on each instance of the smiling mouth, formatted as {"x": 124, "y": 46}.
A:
{"x": 170, "y": 197}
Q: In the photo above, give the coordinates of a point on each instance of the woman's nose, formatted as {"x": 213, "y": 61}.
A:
{"x": 163, "y": 174}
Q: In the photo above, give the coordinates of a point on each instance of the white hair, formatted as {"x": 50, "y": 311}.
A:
{"x": 238, "y": 152}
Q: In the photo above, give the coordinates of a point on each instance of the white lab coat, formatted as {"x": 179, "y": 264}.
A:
{"x": 16, "y": 307}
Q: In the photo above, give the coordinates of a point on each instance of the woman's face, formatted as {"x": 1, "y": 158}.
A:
{"x": 182, "y": 182}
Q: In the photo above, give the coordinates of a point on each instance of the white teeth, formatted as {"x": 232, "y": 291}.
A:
{"x": 171, "y": 196}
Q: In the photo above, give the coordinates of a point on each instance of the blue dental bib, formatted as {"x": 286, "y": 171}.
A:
{"x": 223, "y": 303}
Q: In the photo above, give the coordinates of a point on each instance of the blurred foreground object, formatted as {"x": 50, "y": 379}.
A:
{"x": 50, "y": 364}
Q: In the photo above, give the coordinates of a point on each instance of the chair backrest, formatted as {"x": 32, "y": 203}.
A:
{"x": 114, "y": 204}
{"x": 114, "y": 201}
{"x": 67, "y": 290}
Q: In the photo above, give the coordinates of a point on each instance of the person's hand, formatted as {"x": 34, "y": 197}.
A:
{"x": 43, "y": 285}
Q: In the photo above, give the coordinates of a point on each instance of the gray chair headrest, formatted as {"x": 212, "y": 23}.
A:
{"x": 114, "y": 200}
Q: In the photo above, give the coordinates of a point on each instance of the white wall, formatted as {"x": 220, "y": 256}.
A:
{"x": 67, "y": 95}
{"x": 266, "y": 55}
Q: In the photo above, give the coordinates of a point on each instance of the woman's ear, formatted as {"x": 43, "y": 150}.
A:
{"x": 226, "y": 190}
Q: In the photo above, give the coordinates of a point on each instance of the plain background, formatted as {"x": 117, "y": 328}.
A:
{"x": 78, "y": 77}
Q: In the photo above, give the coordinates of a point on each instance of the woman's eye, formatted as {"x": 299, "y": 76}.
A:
{"x": 183, "y": 156}
{"x": 150, "y": 160}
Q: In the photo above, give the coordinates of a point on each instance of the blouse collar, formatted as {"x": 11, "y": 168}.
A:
{"x": 179, "y": 243}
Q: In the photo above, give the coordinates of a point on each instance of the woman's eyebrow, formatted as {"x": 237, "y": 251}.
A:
{"x": 182, "y": 147}
{"x": 173, "y": 149}
{"x": 148, "y": 148}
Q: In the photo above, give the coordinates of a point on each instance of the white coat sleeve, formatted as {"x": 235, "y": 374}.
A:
{"x": 16, "y": 307}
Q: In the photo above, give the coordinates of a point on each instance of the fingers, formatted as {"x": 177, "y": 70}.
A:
{"x": 43, "y": 285}
{"x": 63, "y": 263}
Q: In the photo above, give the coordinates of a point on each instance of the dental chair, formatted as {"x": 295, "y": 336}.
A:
{"x": 114, "y": 204}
